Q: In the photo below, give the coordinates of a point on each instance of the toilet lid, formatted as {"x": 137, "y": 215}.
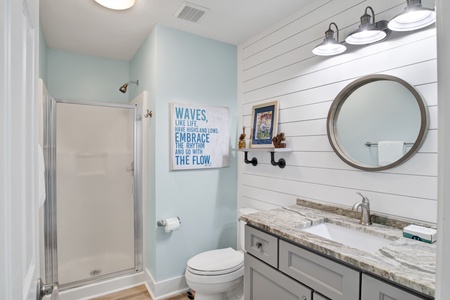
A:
{"x": 216, "y": 262}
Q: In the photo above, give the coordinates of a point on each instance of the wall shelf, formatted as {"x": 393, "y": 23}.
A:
{"x": 254, "y": 161}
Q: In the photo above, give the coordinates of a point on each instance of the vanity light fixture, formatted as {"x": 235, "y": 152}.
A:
{"x": 413, "y": 17}
{"x": 330, "y": 46}
{"x": 116, "y": 4}
{"x": 367, "y": 32}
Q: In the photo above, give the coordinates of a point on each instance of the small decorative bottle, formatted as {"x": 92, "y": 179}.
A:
{"x": 242, "y": 144}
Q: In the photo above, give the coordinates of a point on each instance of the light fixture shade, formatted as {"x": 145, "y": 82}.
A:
{"x": 116, "y": 4}
{"x": 367, "y": 32}
{"x": 413, "y": 17}
{"x": 330, "y": 46}
{"x": 329, "y": 49}
{"x": 365, "y": 37}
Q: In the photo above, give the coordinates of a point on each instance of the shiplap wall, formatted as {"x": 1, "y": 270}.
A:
{"x": 278, "y": 65}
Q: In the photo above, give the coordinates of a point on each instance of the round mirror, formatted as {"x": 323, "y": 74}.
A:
{"x": 377, "y": 122}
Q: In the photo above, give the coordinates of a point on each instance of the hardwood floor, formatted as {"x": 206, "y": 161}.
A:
{"x": 137, "y": 293}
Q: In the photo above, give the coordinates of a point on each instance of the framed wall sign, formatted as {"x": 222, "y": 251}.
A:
{"x": 200, "y": 137}
{"x": 264, "y": 125}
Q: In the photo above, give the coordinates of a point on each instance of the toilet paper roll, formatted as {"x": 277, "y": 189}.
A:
{"x": 171, "y": 224}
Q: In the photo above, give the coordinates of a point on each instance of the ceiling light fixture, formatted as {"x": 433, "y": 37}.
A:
{"x": 330, "y": 46}
{"x": 116, "y": 4}
{"x": 367, "y": 32}
{"x": 413, "y": 17}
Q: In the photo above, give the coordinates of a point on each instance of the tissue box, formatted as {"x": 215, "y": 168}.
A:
{"x": 419, "y": 233}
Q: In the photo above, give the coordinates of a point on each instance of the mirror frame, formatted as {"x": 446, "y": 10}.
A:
{"x": 340, "y": 100}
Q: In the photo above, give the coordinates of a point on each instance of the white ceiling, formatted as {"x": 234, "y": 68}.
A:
{"x": 85, "y": 27}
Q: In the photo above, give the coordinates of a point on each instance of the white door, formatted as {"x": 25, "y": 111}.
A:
{"x": 19, "y": 259}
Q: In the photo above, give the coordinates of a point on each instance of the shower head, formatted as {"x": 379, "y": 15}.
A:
{"x": 124, "y": 86}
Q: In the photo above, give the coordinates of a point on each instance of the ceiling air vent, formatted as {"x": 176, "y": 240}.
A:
{"x": 190, "y": 12}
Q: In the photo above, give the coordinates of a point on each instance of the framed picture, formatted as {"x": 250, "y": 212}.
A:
{"x": 264, "y": 125}
{"x": 199, "y": 137}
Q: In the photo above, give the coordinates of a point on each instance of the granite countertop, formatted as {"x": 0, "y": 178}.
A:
{"x": 404, "y": 261}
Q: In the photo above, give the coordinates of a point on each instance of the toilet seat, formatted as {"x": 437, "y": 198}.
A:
{"x": 216, "y": 262}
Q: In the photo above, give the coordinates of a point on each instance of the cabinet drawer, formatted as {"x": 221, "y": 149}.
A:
{"x": 262, "y": 282}
{"x": 262, "y": 245}
{"x": 374, "y": 289}
{"x": 327, "y": 277}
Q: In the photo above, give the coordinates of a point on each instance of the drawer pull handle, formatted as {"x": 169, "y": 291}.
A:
{"x": 258, "y": 245}
{"x": 303, "y": 297}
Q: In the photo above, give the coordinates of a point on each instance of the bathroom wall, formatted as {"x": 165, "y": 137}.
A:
{"x": 72, "y": 76}
{"x": 179, "y": 67}
{"x": 172, "y": 66}
{"x": 278, "y": 65}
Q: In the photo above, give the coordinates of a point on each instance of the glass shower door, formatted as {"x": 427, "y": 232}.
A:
{"x": 97, "y": 219}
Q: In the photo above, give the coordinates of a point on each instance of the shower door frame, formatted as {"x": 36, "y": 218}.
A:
{"x": 50, "y": 211}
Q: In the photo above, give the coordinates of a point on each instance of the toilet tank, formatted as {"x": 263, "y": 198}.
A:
{"x": 244, "y": 211}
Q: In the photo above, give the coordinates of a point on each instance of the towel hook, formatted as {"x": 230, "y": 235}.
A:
{"x": 148, "y": 114}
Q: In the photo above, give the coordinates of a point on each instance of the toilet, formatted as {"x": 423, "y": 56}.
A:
{"x": 218, "y": 274}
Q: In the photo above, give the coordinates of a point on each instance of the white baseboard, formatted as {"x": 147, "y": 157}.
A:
{"x": 166, "y": 288}
{"x": 103, "y": 288}
{"x": 158, "y": 290}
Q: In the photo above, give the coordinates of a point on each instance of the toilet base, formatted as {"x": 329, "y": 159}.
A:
{"x": 236, "y": 294}
{"x": 210, "y": 297}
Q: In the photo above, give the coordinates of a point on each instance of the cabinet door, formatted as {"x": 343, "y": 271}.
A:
{"x": 317, "y": 296}
{"x": 374, "y": 289}
{"x": 262, "y": 282}
{"x": 325, "y": 276}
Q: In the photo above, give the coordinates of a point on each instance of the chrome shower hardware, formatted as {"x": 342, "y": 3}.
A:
{"x": 124, "y": 86}
{"x": 47, "y": 289}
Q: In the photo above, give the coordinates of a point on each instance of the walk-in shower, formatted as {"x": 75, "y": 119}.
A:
{"x": 93, "y": 212}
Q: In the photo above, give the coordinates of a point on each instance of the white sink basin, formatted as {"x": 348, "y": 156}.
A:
{"x": 349, "y": 237}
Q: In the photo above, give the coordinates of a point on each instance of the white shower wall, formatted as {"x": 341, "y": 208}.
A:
{"x": 95, "y": 210}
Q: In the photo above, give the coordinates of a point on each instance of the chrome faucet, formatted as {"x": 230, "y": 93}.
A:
{"x": 365, "y": 209}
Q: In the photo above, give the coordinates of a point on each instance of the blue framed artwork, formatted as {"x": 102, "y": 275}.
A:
{"x": 264, "y": 125}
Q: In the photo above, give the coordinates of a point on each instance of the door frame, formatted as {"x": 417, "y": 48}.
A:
{"x": 19, "y": 151}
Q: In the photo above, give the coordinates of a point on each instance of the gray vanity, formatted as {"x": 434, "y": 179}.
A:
{"x": 283, "y": 261}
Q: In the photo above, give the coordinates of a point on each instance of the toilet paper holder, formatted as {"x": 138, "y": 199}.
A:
{"x": 163, "y": 223}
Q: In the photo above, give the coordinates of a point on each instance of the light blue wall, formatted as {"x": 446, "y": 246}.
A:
{"x": 72, "y": 76}
{"x": 172, "y": 66}
{"x": 196, "y": 70}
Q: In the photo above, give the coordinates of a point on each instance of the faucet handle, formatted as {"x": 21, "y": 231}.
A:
{"x": 365, "y": 199}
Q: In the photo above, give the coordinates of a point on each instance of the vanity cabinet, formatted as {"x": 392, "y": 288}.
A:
{"x": 325, "y": 276}
{"x": 277, "y": 269}
{"x": 262, "y": 282}
{"x": 262, "y": 245}
{"x": 263, "y": 279}
{"x": 374, "y": 289}
{"x": 317, "y": 296}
